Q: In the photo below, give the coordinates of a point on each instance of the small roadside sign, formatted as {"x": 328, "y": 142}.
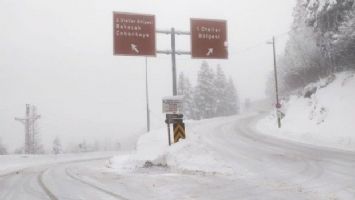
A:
{"x": 209, "y": 39}
{"x": 174, "y": 118}
{"x": 173, "y": 104}
{"x": 133, "y": 34}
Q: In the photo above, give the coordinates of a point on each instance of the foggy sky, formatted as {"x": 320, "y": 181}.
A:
{"x": 58, "y": 55}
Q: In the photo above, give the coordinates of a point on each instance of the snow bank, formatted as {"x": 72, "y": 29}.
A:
{"x": 326, "y": 118}
{"x": 186, "y": 156}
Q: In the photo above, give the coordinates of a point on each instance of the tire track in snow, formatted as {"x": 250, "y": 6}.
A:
{"x": 108, "y": 192}
{"x": 49, "y": 193}
{"x": 44, "y": 187}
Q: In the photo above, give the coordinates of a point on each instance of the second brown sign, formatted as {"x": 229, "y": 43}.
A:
{"x": 209, "y": 39}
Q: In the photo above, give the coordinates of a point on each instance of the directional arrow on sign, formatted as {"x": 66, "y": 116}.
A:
{"x": 179, "y": 131}
{"x": 210, "y": 52}
{"x": 134, "y": 48}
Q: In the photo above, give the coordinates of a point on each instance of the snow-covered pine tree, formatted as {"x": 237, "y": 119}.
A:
{"x": 3, "y": 150}
{"x": 185, "y": 89}
{"x": 57, "y": 146}
{"x": 204, "y": 95}
{"x": 220, "y": 83}
{"x": 307, "y": 56}
{"x": 332, "y": 22}
{"x": 232, "y": 98}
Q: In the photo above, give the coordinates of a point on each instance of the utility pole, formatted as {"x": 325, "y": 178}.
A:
{"x": 29, "y": 122}
{"x": 278, "y": 105}
{"x": 147, "y": 94}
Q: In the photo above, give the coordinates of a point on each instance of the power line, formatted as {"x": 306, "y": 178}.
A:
{"x": 262, "y": 43}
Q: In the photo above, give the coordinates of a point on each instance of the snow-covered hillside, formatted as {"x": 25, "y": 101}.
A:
{"x": 323, "y": 114}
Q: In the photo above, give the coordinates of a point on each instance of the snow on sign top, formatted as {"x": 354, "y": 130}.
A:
{"x": 209, "y": 39}
{"x": 173, "y": 104}
{"x": 133, "y": 34}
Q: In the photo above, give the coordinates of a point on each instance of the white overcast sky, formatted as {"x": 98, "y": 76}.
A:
{"x": 57, "y": 54}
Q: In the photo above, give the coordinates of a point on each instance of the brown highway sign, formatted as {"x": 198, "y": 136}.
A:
{"x": 134, "y": 34}
{"x": 209, "y": 39}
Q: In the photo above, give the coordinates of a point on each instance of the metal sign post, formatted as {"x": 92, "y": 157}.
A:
{"x": 168, "y": 124}
{"x": 173, "y": 53}
{"x": 173, "y": 60}
{"x": 147, "y": 94}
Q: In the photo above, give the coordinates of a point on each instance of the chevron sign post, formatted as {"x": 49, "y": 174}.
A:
{"x": 172, "y": 106}
{"x": 179, "y": 131}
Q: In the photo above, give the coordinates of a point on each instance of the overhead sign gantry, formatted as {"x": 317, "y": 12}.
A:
{"x": 135, "y": 35}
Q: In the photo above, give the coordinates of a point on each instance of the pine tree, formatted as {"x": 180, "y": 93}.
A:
{"x": 232, "y": 105}
{"x": 220, "y": 83}
{"x": 204, "y": 95}
{"x": 185, "y": 89}
{"x": 57, "y": 146}
{"x": 3, "y": 150}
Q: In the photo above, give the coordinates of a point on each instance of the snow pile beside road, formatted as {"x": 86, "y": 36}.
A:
{"x": 323, "y": 115}
{"x": 186, "y": 156}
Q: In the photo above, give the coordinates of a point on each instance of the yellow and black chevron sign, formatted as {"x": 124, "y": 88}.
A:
{"x": 179, "y": 131}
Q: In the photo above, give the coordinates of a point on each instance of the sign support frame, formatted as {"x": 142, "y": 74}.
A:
{"x": 173, "y": 52}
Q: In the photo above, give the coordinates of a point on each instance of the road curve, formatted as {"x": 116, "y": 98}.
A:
{"x": 282, "y": 168}
{"x": 53, "y": 182}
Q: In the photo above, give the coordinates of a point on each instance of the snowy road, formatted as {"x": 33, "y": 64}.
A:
{"x": 282, "y": 168}
{"x": 265, "y": 168}
{"x": 53, "y": 182}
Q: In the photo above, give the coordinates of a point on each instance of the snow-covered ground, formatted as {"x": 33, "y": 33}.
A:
{"x": 223, "y": 158}
{"x": 326, "y": 118}
{"x": 11, "y": 163}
